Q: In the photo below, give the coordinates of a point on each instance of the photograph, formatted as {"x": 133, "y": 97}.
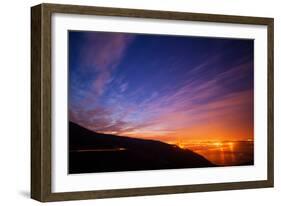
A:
{"x": 133, "y": 102}
{"x": 140, "y": 101}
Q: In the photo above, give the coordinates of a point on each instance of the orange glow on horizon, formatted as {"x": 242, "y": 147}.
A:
{"x": 227, "y": 119}
{"x": 222, "y": 152}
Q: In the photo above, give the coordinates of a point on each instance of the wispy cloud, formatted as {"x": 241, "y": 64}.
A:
{"x": 205, "y": 99}
{"x": 100, "y": 55}
{"x": 166, "y": 115}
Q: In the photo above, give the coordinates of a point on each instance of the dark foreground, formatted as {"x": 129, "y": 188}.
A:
{"x": 91, "y": 152}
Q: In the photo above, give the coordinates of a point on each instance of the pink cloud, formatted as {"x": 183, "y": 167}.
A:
{"x": 197, "y": 102}
{"x": 102, "y": 53}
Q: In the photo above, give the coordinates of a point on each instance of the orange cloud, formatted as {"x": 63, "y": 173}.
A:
{"x": 229, "y": 118}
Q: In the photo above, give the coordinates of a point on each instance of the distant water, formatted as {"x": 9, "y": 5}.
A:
{"x": 226, "y": 153}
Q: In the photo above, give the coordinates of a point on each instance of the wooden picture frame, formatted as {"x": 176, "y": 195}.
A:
{"x": 41, "y": 98}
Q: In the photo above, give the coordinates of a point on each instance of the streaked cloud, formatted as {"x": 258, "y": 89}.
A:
{"x": 99, "y": 55}
{"x": 139, "y": 96}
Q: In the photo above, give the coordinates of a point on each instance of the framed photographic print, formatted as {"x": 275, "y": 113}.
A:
{"x": 132, "y": 102}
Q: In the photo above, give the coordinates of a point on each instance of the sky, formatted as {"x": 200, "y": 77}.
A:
{"x": 163, "y": 87}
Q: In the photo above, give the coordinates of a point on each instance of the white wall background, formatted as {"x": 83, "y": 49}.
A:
{"x": 15, "y": 102}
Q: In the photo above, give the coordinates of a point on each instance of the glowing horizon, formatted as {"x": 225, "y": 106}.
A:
{"x": 167, "y": 88}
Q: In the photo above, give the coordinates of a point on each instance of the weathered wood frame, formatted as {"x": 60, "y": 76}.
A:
{"x": 41, "y": 101}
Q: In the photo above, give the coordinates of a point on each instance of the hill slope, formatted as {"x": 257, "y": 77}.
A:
{"x": 95, "y": 152}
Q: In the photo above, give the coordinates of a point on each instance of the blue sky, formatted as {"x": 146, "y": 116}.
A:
{"x": 161, "y": 86}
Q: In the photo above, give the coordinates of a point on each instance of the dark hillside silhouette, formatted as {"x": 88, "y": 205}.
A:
{"x": 95, "y": 152}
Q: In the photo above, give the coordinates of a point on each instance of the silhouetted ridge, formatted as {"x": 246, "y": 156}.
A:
{"x": 95, "y": 152}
